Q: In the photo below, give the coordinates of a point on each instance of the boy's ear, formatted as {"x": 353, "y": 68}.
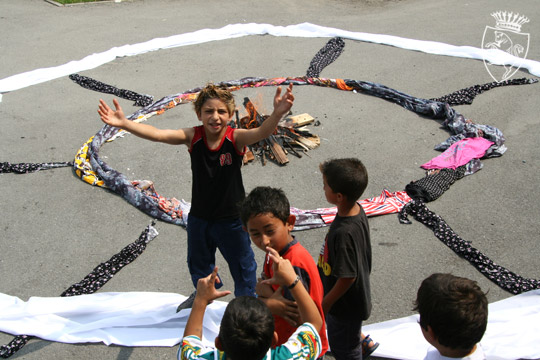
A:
{"x": 217, "y": 342}
{"x": 430, "y": 336}
{"x": 274, "y": 339}
{"x": 291, "y": 220}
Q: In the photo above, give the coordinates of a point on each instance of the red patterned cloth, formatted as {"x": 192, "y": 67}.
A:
{"x": 386, "y": 203}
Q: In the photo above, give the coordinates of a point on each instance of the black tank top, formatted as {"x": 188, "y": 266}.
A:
{"x": 217, "y": 178}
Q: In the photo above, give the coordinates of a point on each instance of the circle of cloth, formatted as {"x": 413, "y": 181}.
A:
{"x": 91, "y": 168}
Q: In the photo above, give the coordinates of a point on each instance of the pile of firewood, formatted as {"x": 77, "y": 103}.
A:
{"x": 290, "y": 137}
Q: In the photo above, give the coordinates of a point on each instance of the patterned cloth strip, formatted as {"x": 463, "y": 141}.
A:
{"x": 93, "y": 281}
{"x": 504, "y": 278}
{"x": 434, "y": 185}
{"x": 171, "y": 206}
{"x": 386, "y": 203}
{"x": 96, "y": 171}
{"x": 89, "y": 83}
{"x": 24, "y": 168}
{"x": 324, "y": 57}
{"x": 467, "y": 95}
{"x": 82, "y": 166}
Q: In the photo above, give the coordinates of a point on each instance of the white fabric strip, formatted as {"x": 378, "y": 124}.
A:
{"x": 33, "y": 77}
{"x": 129, "y": 318}
{"x": 150, "y": 319}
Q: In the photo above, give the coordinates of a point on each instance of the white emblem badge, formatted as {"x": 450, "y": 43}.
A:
{"x": 506, "y": 36}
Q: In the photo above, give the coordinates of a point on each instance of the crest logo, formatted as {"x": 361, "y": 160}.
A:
{"x": 506, "y": 36}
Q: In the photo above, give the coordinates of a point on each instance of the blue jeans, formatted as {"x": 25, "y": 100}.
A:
{"x": 233, "y": 243}
{"x": 344, "y": 337}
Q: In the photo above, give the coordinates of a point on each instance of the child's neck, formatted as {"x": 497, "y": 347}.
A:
{"x": 214, "y": 140}
{"x": 455, "y": 353}
{"x": 346, "y": 209}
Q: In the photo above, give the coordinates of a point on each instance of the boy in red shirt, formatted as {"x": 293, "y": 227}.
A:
{"x": 266, "y": 216}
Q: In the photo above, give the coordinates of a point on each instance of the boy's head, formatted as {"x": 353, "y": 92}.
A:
{"x": 453, "y": 311}
{"x": 266, "y": 216}
{"x": 211, "y": 91}
{"x": 347, "y": 177}
{"x": 247, "y": 329}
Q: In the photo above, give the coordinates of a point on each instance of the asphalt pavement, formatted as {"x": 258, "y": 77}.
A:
{"x": 56, "y": 228}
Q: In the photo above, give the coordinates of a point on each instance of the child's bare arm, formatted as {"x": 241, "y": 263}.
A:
{"x": 206, "y": 293}
{"x": 117, "y": 119}
{"x": 282, "y": 105}
{"x": 340, "y": 288}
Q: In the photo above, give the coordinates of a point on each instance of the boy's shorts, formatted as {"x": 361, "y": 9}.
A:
{"x": 344, "y": 337}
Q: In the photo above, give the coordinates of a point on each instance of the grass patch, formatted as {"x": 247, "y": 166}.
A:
{"x": 65, "y": 2}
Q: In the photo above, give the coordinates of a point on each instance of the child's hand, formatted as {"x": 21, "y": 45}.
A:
{"x": 284, "y": 274}
{"x": 110, "y": 116}
{"x": 283, "y": 104}
{"x": 263, "y": 290}
{"x": 206, "y": 288}
{"x": 283, "y": 307}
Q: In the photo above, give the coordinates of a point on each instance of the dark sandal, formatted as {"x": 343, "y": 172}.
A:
{"x": 367, "y": 348}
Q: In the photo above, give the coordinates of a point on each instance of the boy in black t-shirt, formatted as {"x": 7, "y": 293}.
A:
{"x": 345, "y": 260}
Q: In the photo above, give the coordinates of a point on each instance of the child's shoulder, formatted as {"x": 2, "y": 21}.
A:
{"x": 299, "y": 256}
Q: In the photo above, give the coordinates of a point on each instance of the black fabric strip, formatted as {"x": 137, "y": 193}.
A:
{"x": 467, "y": 95}
{"x": 24, "y": 168}
{"x": 93, "y": 281}
{"x": 501, "y": 276}
{"x": 324, "y": 57}
{"x": 89, "y": 83}
{"x": 432, "y": 186}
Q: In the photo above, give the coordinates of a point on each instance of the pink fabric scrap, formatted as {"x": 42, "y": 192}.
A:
{"x": 460, "y": 153}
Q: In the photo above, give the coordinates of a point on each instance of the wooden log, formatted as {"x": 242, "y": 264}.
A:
{"x": 297, "y": 120}
{"x": 248, "y": 157}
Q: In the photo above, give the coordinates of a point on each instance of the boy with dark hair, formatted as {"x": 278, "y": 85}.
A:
{"x": 247, "y": 326}
{"x": 453, "y": 316}
{"x": 216, "y": 152}
{"x": 345, "y": 260}
{"x": 266, "y": 216}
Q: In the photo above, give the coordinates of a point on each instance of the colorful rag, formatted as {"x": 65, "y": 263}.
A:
{"x": 460, "y": 153}
{"x": 386, "y": 203}
{"x": 94, "y": 170}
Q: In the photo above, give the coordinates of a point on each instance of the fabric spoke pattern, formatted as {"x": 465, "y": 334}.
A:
{"x": 93, "y": 281}
{"x": 91, "y": 84}
{"x": 504, "y": 278}
{"x": 327, "y": 55}
{"x": 24, "y": 168}
{"x": 467, "y": 95}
